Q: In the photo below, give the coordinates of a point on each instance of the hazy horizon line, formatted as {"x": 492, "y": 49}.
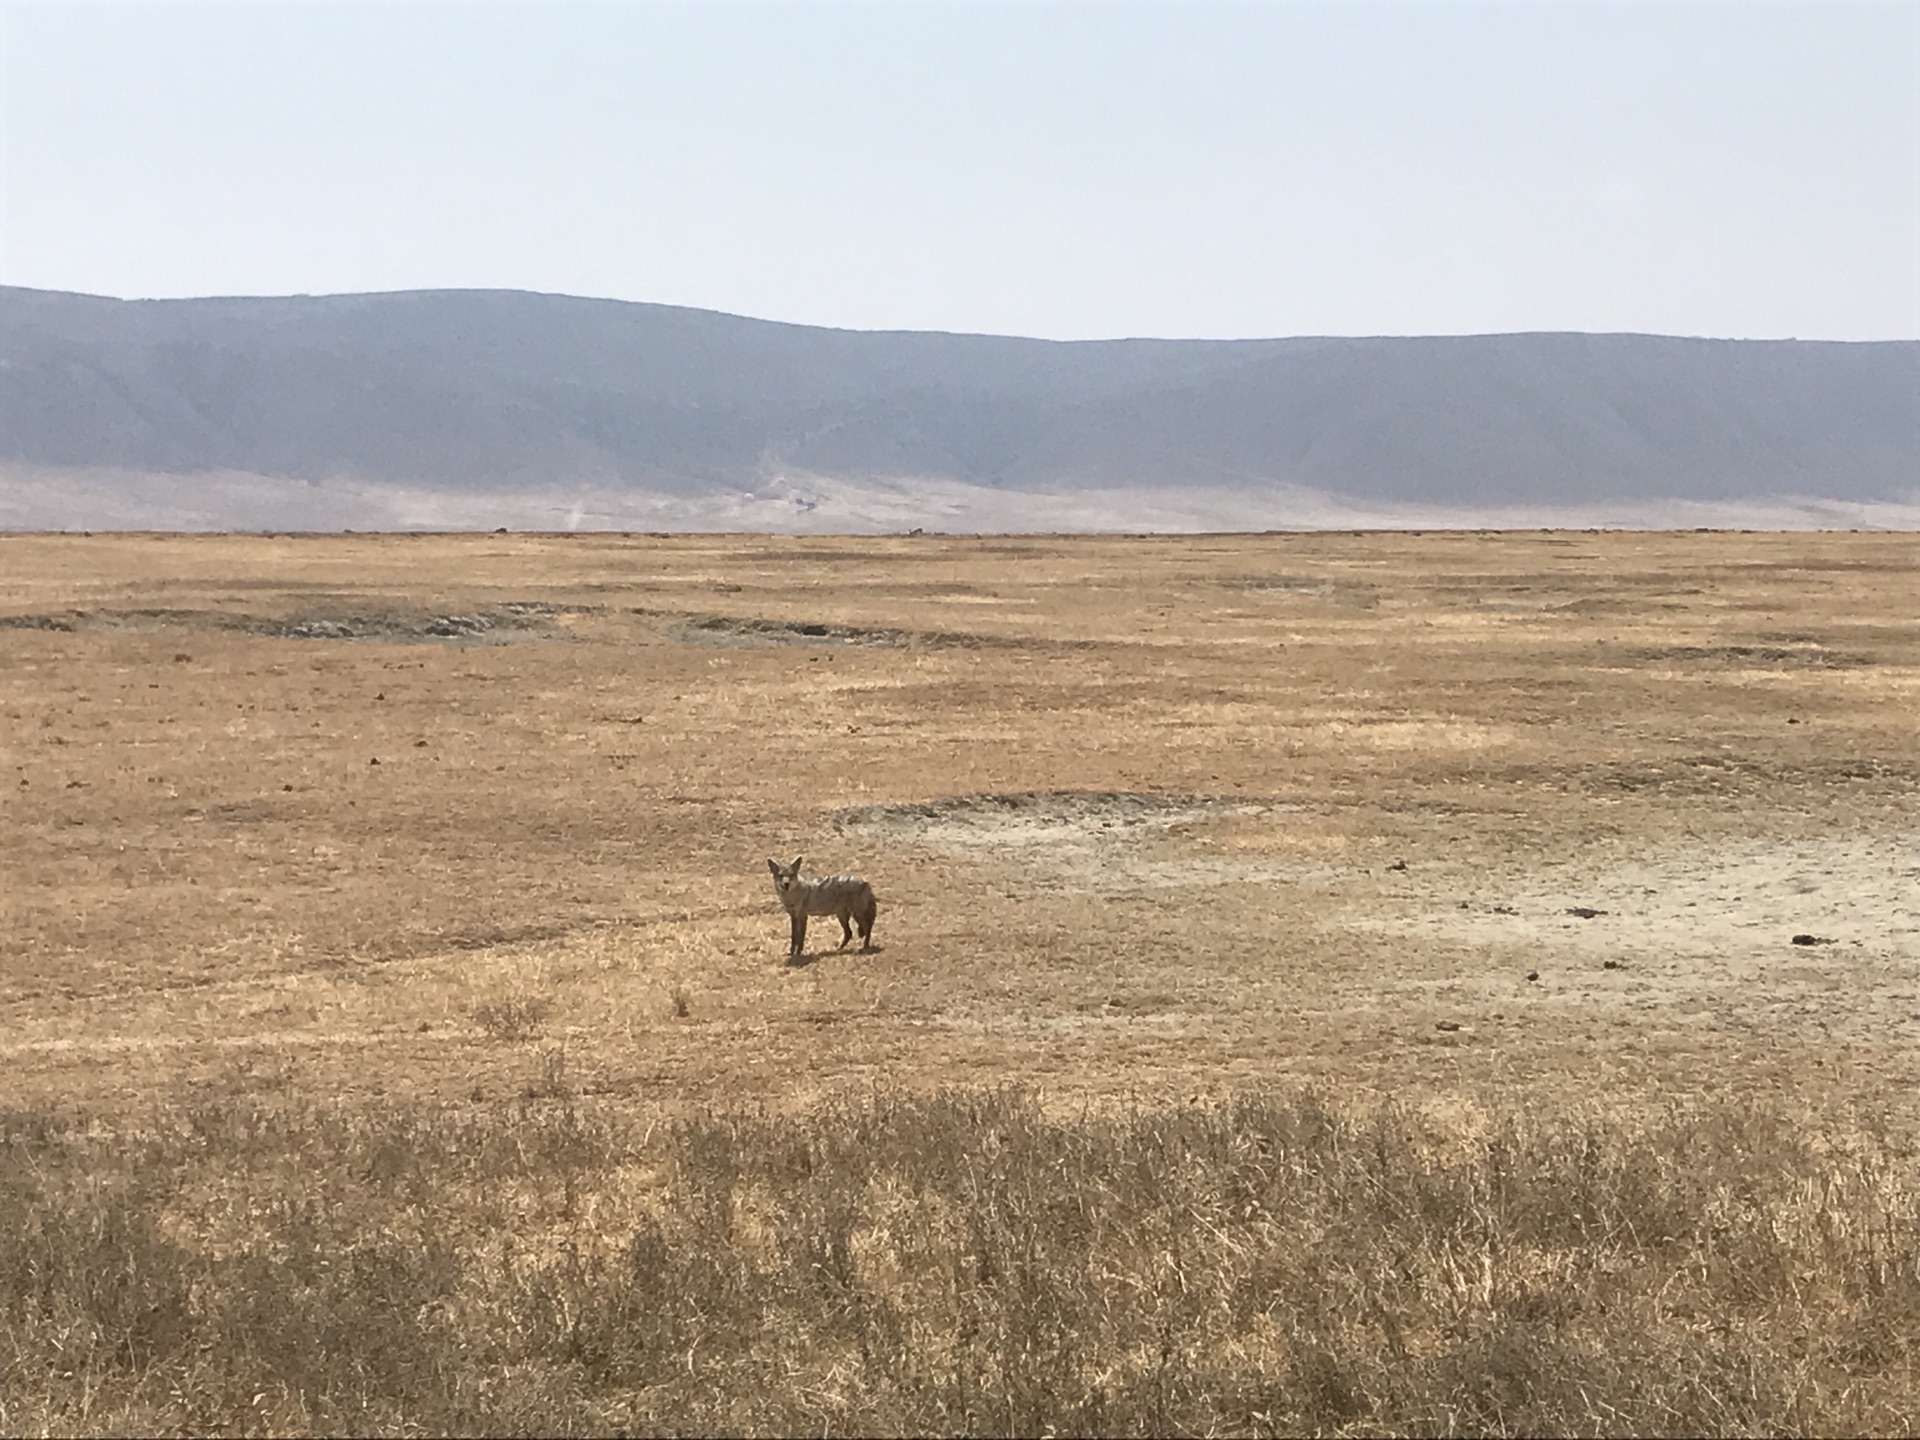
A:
{"x": 1754, "y": 339}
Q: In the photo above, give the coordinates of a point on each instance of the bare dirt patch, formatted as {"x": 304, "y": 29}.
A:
{"x": 1696, "y": 930}
{"x": 1101, "y": 842}
{"x": 1023, "y": 819}
{"x": 494, "y": 624}
{"x": 754, "y": 630}
{"x": 41, "y": 622}
{"x": 512, "y": 620}
{"x": 704, "y": 629}
{"x": 1784, "y": 656}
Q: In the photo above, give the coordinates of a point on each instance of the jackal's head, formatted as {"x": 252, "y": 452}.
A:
{"x": 786, "y": 878}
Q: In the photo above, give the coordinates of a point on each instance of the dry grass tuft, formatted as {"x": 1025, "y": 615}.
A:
{"x": 513, "y": 1017}
{"x": 957, "y": 1263}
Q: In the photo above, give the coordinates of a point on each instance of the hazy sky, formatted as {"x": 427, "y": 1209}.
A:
{"x": 1068, "y": 170}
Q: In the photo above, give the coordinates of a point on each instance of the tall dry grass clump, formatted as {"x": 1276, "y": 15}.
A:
{"x": 963, "y": 1263}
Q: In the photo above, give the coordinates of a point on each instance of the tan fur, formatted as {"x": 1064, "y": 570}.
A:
{"x": 847, "y": 898}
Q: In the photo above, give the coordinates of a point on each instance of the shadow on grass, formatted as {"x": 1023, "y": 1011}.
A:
{"x": 812, "y": 957}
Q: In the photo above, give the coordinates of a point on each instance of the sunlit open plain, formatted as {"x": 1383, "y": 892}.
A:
{"x": 460, "y": 818}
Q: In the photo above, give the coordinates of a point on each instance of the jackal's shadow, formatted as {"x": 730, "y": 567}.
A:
{"x": 808, "y": 957}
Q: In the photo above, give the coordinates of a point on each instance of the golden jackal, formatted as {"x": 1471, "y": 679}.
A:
{"x": 847, "y": 898}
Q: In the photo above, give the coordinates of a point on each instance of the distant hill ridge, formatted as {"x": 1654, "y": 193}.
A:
{"x": 478, "y": 391}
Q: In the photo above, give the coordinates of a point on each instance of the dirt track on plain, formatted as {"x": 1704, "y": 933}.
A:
{"x": 450, "y": 816}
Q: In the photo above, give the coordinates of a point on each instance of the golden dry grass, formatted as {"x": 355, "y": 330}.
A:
{"x": 205, "y": 865}
{"x": 342, "y": 840}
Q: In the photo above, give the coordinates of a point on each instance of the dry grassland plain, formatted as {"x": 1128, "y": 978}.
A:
{"x": 1144, "y": 815}
{"x": 1455, "y": 823}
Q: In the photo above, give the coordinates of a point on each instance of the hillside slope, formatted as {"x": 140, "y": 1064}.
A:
{"x": 478, "y": 391}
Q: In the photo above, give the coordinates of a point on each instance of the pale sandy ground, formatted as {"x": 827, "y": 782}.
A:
{"x": 1690, "y": 919}
{"x": 1144, "y": 815}
{"x": 796, "y": 503}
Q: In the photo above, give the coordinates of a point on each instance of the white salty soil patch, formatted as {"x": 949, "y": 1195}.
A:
{"x": 1695, "y": 932}
{"x": 1817, "y": 934}
{"x": 1095, "y": 841}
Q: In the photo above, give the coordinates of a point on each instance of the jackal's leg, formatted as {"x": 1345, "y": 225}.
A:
{"x": 846, "y": 932}
{"x": 799, "y": 934}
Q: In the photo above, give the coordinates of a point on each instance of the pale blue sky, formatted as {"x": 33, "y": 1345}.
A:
{"x": 1068, "y": 170}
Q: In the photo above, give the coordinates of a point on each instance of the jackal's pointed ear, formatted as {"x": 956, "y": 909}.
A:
{"x": 796, "y": 863}
{"x": 774, "y": 868}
